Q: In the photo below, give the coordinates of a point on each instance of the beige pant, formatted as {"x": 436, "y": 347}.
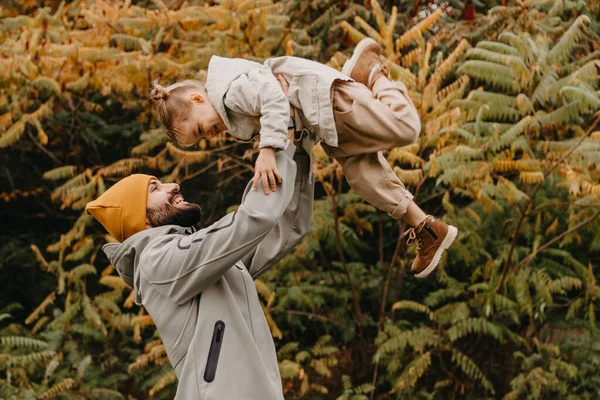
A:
{"x": 368, "y": 122}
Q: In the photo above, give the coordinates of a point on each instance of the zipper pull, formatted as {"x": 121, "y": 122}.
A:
{"x": 219, "y": 333}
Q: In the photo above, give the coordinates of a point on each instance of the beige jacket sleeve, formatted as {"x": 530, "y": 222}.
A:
{"x": 258, "y": 93}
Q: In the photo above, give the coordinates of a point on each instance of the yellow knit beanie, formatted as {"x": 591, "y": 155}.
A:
{"x": 122, "y": 208}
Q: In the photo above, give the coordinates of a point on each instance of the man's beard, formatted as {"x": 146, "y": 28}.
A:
{"x": 168, "y": 214}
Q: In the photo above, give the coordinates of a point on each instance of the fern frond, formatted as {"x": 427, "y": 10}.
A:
{"x": 518, "y": 42}
{"x": 575, "y": 308}
{"x": 402, "y": 74}
{"x": 564, "y": 284}
{"x": 130, "y": 43}
{"x": 165, "y": 380}
{"x": 417, "y": 30}
{"x": 83, "y": 365}
{"x": 416, "y": 338}
{"x": 82, "y": 248}
{"x": 515, "y": 62}
{"x": 29, "y": 358}
{"x": 493, "y": 74}
{"x": 369, "y": 30}
{"x": 561, "y": 115}
{"x": 497, "y": 47}
{"x": 79, "y": 85}
{"x": 113, "y": 281}
{"x": 562, "y": 50}
{"x": 122, "y": 167}
{"x": 40, "y": 258}
{"x": 67, "y": 171}
{"x": 452, "y": 313}
{"x": 531, "y": 177}
{"x": 453, "y": 91}
{"x": 22, "y": 342}
{"x": 468, "y": 366}
{"x": 58, "y": 388}
{"x": 589, "y": 101}
{"x": 80, "y": 271}
{"x": 442, "y": 295}
{"x": 415, "y": 370}
{"x": 92, "y": 315}
{"x": 41, "y": 308}
{"x": 470, "y": 326}
{"x": 354, "y": 34}
{"x": 413, "y": 306}
{"x": 12, "y": 134}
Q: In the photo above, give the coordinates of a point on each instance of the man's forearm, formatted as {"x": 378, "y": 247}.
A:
{"x": 204, "y": 256}
{"x": 293, "y": 225}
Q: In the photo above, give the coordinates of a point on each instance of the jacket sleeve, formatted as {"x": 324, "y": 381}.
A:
{"x": 258, "y": 93}
{"x": 291, "y": 228}
{"x": 182, "y": 267}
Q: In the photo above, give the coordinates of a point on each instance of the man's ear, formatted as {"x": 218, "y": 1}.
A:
{"x": 148, "y": 226}
{"x": 196, "y": 98}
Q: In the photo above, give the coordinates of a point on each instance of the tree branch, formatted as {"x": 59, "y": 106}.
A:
{"x": 39, "y": 146}
{"x": 338, "y": 245}
{"x": 557, "y": 238}
{"x": 312, "y": 315}
{"x": 532, "y": 197}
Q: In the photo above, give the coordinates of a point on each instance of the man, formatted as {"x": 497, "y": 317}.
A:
{"x": 198, "y": 285}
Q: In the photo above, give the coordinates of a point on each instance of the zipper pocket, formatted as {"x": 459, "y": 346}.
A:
{"x": 214, "y": 351}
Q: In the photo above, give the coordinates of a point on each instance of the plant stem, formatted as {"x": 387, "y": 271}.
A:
{"x": 532, "y": 197}
{"x": 338, "y": 245}
{"x": 557, "y": 238}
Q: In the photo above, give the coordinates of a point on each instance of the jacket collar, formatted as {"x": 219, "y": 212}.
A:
{"x": 125, "y": 256}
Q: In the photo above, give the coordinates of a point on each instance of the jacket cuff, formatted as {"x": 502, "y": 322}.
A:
{"x": 272, "y": 141}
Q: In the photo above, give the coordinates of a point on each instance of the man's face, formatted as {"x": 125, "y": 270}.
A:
{"x": 165, "y": 206}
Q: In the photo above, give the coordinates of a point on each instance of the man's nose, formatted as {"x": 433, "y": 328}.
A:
{"x": 173, "y": 188}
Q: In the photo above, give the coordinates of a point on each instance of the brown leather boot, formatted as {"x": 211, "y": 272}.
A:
{"x": 433, "y": 236}
{"x": 364, "y": 65}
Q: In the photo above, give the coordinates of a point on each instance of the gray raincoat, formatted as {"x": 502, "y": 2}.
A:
{"x": 198, "y": 287}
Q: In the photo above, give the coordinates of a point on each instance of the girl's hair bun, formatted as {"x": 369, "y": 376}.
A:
{"x": 159, "y": 92}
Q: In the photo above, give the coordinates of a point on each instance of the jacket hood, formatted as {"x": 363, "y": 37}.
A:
{"x": 221, "y": 72}
{"x": 125, "y": 256}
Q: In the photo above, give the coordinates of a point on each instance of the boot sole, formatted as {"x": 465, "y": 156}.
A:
{"x": 446, "y": 243}
{"x": 351, "y": 63}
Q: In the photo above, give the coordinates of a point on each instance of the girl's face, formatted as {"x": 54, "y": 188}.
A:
{"x": 202, "y": 120}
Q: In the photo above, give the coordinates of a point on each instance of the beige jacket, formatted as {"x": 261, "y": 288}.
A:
{"x": 240, "y": 89}
{"x": 198, "y": 287}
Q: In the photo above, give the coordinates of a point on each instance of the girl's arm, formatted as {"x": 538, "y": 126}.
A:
{"x": 258, "y": 93}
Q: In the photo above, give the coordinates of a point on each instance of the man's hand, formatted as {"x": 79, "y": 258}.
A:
{"x": 266, "y": 168}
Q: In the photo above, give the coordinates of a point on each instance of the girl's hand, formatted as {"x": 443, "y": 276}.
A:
{"x": 284, "y": 84}
{"x": 266, "y": 168}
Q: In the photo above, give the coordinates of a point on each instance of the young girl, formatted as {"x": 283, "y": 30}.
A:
{"x": 356, "y": 113}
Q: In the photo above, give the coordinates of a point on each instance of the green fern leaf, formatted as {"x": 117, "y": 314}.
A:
{"x": 562, "y": 50}
{"x": 471, "y": 369}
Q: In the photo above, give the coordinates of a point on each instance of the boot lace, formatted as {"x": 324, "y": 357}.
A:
{"x": 412, "y": 236}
